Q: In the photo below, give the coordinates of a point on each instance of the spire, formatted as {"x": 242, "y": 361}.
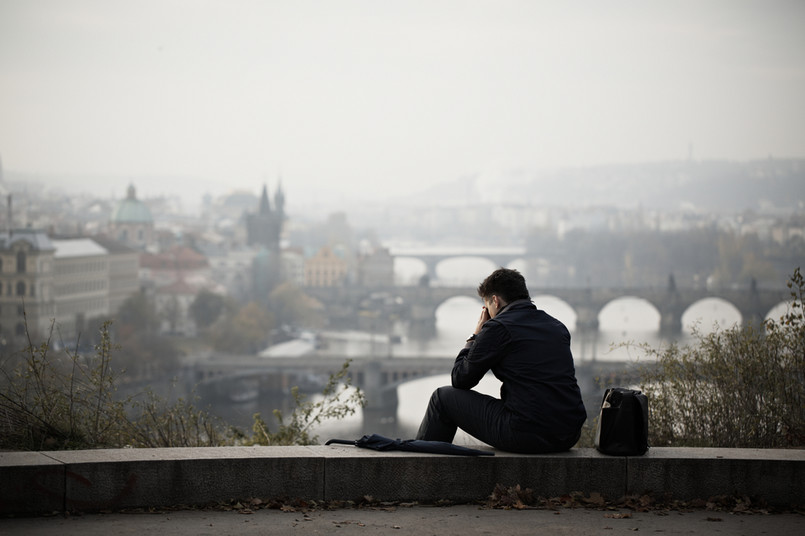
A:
{"x": 279, "y": 198}
{"x": 265, "y": 207}
{"x": 131, "y": 193}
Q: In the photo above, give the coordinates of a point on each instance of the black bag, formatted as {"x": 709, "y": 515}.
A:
{"x": 623, "y": 423}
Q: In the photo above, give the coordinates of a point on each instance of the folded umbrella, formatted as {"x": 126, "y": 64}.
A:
{"x": 379, "y": 442}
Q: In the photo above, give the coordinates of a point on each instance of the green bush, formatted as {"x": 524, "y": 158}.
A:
{"x": 739, "y": 387}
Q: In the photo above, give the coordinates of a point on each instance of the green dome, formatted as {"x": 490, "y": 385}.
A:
{"x": 132, "y": 210}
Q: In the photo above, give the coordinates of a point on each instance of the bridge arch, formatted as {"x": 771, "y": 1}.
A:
{"x": 467, "y": 270}
{"x": 630, "y": 313}
{"x": 521, "y": 265}
{"x": 433, "y": 257}
{"x": 409, "y": 270}
{"x": 709, "y": 313}
{"x": 456, "y": 316}
{"x": 778, "y": 310}
{"x": 414, "y": 394}
{"x": 422, "y": 300}
{"x": 557, "y": 308}
{"x": 460, "y": 294}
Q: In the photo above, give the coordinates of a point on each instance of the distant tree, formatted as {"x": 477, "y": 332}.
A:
{"x": 246, "y": 332}
{"x": 293, "y": 307}
{"x": 146, "y": 357}
{"x": 145, "y": 354}
{"x": 137, "y": 314}
{"x": 208, "y": 307}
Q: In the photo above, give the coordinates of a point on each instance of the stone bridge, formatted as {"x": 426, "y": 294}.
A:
{"x": 500, "y": 256}
{"x": 419, "y": 303}
{"x": 228, "y": 375}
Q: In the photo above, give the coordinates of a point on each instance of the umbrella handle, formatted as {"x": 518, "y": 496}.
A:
{"x": 341, "y": 441}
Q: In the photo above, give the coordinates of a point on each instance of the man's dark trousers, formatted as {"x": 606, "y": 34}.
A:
{"x": 483, "y": 417}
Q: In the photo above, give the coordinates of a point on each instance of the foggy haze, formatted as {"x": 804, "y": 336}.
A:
{"x": 363, "y": 100}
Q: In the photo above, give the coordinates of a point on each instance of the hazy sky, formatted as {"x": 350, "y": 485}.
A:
{"x": 390, "y": 96}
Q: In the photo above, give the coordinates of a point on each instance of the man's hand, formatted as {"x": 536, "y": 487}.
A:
{"x": 481, "y": 321}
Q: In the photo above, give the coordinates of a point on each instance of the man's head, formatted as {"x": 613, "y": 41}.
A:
{"x": 502, "y": 287}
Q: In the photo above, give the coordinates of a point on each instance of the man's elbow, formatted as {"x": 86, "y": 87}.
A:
{"x": 461, "y": 383}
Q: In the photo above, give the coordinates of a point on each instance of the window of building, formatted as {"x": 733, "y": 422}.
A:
{"x": 21, "y": 288}
{"x": 21, "y": 260}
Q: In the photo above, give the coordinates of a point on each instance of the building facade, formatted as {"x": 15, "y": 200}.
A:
{"x": 61, "y": 282}
{"x": 27, "y": 296}
{"x": 293, "y": 266}
{"x": 81, "y": 284}
{"x": 376, "y": 268}
{"x": 124, "y": 271}
{"x": 325, "y": 269}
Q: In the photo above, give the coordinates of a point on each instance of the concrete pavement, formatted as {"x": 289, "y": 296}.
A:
{"x": 414, "y": 520}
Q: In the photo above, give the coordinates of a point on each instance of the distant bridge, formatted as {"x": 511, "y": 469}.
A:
{"x": 421, "y": 302}
{"x": 378, "y": 377}
{"x": 500, "y": 256}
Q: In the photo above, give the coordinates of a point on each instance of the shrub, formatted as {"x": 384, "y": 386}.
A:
{"x": 338, "y": 401}
{"x": 67, "y": 401}
{"x": 739, "y": 387}
{"x": 62, "y": 401}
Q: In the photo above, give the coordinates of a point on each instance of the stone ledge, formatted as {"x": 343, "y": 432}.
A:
{"x": 93, "y": 480}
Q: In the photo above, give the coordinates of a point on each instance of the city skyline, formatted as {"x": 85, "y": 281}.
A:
{"x": 360, "y": 100}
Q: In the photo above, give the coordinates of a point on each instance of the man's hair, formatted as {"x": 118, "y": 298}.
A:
{"x": 506, "y": 283}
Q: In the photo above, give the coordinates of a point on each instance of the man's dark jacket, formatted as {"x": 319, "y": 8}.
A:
{"x": 529, "y": 351}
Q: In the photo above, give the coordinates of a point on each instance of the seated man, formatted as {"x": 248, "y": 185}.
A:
{"x": 540, "y": 407}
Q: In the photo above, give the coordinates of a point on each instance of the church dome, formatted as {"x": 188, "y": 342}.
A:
{"x": 132, "y": 210}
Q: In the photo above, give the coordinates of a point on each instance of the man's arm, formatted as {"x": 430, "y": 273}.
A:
{"x": 475, "y": 359}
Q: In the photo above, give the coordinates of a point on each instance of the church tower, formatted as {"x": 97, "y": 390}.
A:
{"x": 131, "y": 222}
{"x": 263, "y": 229}
{"x": 265, "y": 226}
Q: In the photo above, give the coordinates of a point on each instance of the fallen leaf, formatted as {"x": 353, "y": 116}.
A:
{"x": 595, "y": 498}
{"x": 617, "y": 515}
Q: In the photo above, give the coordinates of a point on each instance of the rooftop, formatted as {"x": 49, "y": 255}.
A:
{"x": 77, "y": 247}
{"x": 132, "y": 210}
{"x": 38, "y": 239}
